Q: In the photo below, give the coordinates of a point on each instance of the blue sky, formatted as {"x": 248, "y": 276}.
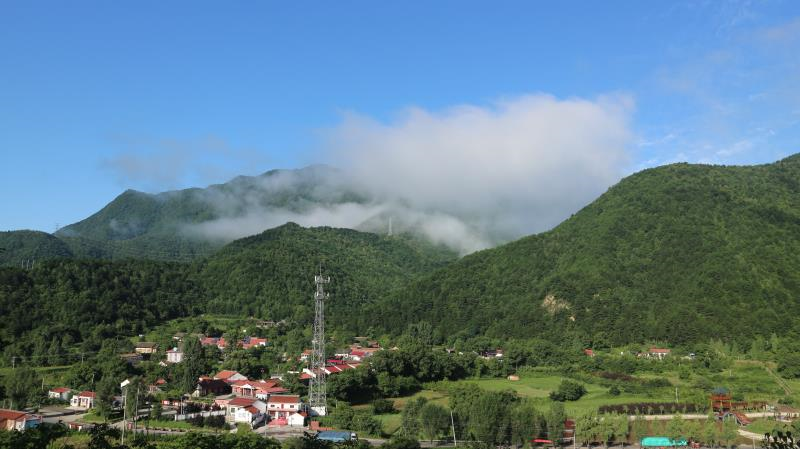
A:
{"x": 97, "y": 97}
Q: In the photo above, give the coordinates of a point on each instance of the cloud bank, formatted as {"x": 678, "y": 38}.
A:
{"x": 468, "y": 177}
{"x": 514, "y": 168}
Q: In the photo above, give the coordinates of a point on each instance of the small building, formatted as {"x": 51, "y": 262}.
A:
{"x": 229, "y": 376}
{"x": 297, "y": 419}
{"x": 250, "y": 342}
{"x": 281, "y": 406}
{"x": 18, "y": 420}
{"x": 588, "y": 352}
{"x": 174, "y": 355}
{"x": 146, "y": 347}
{"x": 238, "y": 403}
{"x": 658, "y": 353}
{"x": 248, "y": 415}
{"x": 61, "y": 393}
{"x": 83, "y": 400}
{"x": 216, "y": 387}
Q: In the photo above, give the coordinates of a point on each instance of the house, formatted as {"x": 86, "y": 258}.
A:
{"x": 216, "y": 387}
{"x": 491, "y": 354}
{"x": 260, "y": 389}
{"x": 235, "y": 404}
{"x": 84, "y": 400}
{"x": 229, "y": 376}
{"x": 588, "y": 352}
{"x": 61, "y": 393}
{"x": 213, "y": 341}
{"x": 658, "y": 353}
{"x": 174, "y": 355}
{"x": 250, "y": 342}
{"x": 18, "y": 420}
{"x": 155, "y": 388}
{"x": 297, "y": 419}
{"x": 281, "y": 406}
{"x": 358, "y": 353}
{"x": 146, "y": 347}
{"x": 249, "y": 415}
{"x": 305, "y": 355}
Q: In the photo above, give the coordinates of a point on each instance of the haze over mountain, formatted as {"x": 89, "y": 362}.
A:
{"x": 679, "y": 253}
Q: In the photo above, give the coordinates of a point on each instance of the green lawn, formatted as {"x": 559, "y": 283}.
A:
{"x": 539, "y": 386}
{"x": 747, "y": 378}
{"x": 762, "y": 426}
{"x": 390, "y": 422}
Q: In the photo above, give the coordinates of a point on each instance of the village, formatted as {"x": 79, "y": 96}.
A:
{"x": 228, "y": 399}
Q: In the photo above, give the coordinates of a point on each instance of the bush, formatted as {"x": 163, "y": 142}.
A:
{"x": 568, "y": 390}
{"x": 215, "y": 421}
{"x": 196, "y": 421}
{"x": 613, "y": 391}
{"x": 382, "y": 406}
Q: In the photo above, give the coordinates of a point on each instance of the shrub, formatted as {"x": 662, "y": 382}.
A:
{"x": 568, "y": 390}
{"x": 382, "y": 406}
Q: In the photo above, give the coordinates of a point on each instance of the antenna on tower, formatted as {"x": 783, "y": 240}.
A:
{"x": 317, "y": 391}
{"x": 390, "y": 226}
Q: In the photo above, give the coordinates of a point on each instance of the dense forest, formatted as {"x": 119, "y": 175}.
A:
{"x": 679, "y": 253}
{"x": 57, "y": 303}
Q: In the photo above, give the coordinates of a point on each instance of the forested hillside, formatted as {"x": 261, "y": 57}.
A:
{"x": 18, "y": 248}
{"x": 680, "y": 253}
{"x": 50, "y": 308}
{"x": 271, "y": 274}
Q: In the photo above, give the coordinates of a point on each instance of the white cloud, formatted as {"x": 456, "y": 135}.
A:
{"x": 516, "y": 167}
{"x": 468, "y": 177}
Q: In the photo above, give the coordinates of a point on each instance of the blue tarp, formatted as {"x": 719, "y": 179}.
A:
{"x": 661, "y": 442}
{"x": 334, "y": 435}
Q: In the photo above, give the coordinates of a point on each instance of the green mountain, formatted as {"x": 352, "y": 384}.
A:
{"x": 680, "y": 253}
{"x": 164, "y": 226}
{"x": 271, "y": 274}
{"x": 18, "y": 248}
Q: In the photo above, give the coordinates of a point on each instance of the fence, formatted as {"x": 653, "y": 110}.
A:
{"x": 203, "y": 414}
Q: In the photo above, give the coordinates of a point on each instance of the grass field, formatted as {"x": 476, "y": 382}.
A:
{"x": 747, "y": 378}
{"x": 762, "y": 426}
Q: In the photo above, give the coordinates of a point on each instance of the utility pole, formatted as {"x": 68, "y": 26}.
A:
{"x": 317, "y": 394}
{"x": 123, "y": 386}
{"x": 453, "y": 426}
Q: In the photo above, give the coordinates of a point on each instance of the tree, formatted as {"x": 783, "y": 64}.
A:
{"x": 193, "y": 366}
{"x": 104, "y": 396}
{"x": 710, "y": 432}
{"x": 729, "y": 431}
{"x": 675, "y": 428}
{"x": 342, "y": 415}
{"x": 555, "y": 422}
{"x": 410, "y": 417}
{"x": 23, "y": 387}
{"x": 525, "y": 423}
{"x": 156, "y": 410}
{"x": 434, "y": 420}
